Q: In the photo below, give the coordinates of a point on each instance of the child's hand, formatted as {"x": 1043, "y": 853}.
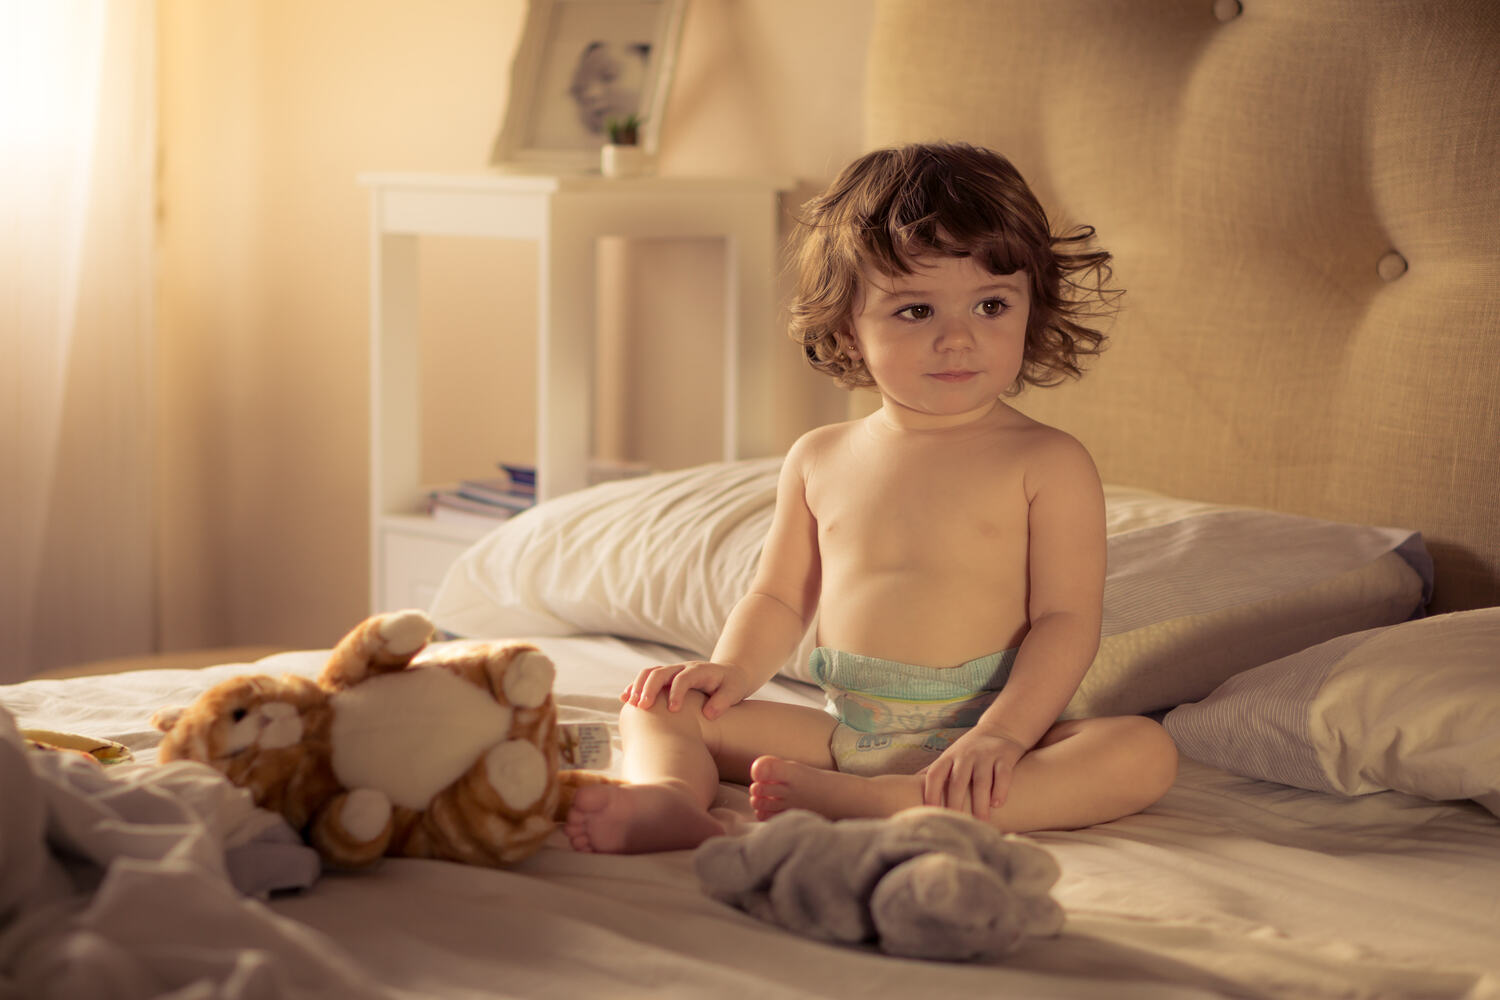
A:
{"x": 724, "y": 684}
{"x": 973, "y": 775}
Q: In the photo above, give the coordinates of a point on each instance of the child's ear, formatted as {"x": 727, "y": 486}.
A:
{"x": 848, "y": 344}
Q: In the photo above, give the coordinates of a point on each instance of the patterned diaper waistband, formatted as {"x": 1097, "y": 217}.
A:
{"x": 834, "y": 668}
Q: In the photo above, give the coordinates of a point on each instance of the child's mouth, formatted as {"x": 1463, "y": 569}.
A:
{"x": 953, "y": 376}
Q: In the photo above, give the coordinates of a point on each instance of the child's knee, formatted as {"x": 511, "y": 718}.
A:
{"x": 1153, "y": 756}
{"x": 685, "y": 720}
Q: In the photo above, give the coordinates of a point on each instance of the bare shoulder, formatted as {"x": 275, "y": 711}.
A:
{"x": 827, "y": 435}
{"x": 1054, "y": 458}
{"x": 817, "y": 443}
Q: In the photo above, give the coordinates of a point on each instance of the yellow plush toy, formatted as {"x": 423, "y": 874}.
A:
{"x": 456, "y": 755}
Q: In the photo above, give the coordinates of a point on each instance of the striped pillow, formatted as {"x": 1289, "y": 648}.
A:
{"x": 1196, "y": 593}
{"x": 1408, "y": 707}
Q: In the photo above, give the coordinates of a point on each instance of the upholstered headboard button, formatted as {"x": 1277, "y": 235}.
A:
{"x": 1391, "y": 266}
{"x": 1227, "y": 10}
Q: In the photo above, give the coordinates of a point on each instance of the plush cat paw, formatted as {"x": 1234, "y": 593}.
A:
{"x": 518, "y": 773}
{"x": 354, "y": 829}
{"x": 404, "y": 632}
{"x": 528, "y": 679}
{"x": 378, "y": 645}
{"x": 364, "y": 814}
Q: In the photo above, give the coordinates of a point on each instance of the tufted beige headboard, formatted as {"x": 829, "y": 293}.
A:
{"x": 1303, "y": 197}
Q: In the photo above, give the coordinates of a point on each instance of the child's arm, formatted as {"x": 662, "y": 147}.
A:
{"x": 1067, "y": 564}
{"x": 767, "y": 623}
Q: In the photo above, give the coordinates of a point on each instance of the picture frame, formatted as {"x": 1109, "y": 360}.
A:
{"x": 580, "y": 64}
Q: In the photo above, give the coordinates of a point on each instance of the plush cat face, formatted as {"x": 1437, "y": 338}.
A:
{"x": 266, "y": 734}
{"x": 257, "y": 711}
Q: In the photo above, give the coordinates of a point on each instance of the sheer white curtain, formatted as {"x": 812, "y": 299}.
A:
{"x": 77, "y": 155}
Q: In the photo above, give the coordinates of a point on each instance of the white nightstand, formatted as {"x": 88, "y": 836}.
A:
{"x": 565, "y": 215}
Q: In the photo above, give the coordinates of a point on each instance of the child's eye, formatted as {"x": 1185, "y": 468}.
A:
{"x": 917, "y": 311}
{"x": 991, "y": 307}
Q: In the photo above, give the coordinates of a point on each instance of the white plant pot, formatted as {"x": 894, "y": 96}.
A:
{"x": 622, "y": 161}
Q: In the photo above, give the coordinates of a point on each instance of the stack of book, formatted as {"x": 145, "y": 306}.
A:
{"x": 486, "y": 500}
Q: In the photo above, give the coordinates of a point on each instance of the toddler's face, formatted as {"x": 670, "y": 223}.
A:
{"x": 944, "y": 342}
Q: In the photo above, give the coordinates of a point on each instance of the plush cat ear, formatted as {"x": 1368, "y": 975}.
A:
{"x": 165, "y": 718}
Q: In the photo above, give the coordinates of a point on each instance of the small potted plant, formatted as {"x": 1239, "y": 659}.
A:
{"x": 623, "y": 156}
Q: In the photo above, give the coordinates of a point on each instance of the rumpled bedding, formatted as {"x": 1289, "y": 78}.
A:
{"x": 1228, "y": 887}
{"x": 134, "y": 882}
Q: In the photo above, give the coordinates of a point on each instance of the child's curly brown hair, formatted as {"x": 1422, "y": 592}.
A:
{"x": 892, "y": 206}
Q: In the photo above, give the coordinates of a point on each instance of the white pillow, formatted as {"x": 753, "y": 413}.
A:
{"x": 1412, "y": 707}
{"x": 662, "y": 558}
{"x": 1195, "y": 592}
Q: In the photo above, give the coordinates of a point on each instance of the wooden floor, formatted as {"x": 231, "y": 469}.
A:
{"x": 184, "y": 659}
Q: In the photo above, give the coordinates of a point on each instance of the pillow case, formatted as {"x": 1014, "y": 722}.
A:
{"x": 662, "y": 557}
{"x": 1409, "y": 707}
{"x": 1195, "y": 592}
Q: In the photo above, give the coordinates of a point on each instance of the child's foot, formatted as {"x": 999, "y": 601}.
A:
{"x": 635, "y": 819}
{"x": 778, "y": 785}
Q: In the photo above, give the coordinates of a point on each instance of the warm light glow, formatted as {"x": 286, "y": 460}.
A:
{"x": 77, "y": 101}
{"x": 50, "y": 67}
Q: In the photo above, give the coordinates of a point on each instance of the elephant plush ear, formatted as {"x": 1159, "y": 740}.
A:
{"x": 926, "y": 883}
{"x": 165, "y": 718}
{"x": 956, "y": 909}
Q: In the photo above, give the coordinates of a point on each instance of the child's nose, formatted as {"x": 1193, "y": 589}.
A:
{"x": 954, "y": 335}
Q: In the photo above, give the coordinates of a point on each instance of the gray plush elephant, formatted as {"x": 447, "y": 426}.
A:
{"x": 925, "y": 883}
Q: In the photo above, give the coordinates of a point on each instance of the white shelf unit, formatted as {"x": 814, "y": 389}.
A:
{"x": 565, "y": 216}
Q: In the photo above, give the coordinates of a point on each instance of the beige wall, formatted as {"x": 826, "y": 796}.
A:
{"x": 269, "y": 111}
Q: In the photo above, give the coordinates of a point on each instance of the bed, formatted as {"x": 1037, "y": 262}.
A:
{"x": 1299, "y": 420}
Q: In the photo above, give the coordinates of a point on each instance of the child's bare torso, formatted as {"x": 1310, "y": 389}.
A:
{"x": 922, "y": 536}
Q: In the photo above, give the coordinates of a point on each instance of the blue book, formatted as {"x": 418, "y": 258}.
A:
{"x": 497, "y": 492}
{"x": 522, "y": 477}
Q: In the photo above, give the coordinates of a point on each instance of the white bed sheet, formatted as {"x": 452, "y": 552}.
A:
{"x": 1228, "y": 887}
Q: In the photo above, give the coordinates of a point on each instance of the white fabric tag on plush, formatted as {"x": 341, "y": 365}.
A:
{"x": 585, "y": 746}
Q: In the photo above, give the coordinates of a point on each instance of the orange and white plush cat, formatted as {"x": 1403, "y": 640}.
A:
{"x": 454, "y": 756}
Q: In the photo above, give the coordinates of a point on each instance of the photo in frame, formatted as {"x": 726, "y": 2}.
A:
{"x": 579, "y": 65}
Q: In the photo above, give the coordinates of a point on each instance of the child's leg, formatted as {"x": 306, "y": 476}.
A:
{"x": 1083, "y": 772}
{"x": 674, "y": 760}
